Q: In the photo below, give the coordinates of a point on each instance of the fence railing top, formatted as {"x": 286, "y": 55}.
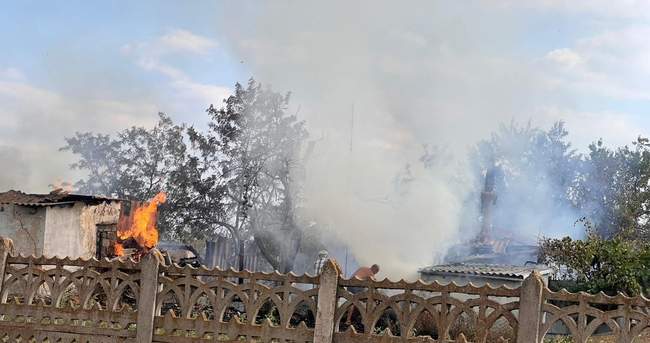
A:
{"x": 76, "y": 262}
{"x": 599, "y": 298}
{"x": 434, "y": 286}
{"x": 245, "y": 274}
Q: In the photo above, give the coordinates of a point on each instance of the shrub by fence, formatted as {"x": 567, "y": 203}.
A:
{"x": 62, "y": 300}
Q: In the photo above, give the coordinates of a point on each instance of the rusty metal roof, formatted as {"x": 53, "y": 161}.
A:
{"x": 50, "y": 199}
{"x": 494, "y": 270}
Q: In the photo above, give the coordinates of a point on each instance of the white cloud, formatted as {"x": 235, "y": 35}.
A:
{"x": 624, "y": 9}
{"x": 152, "y": 56}
{"x": 565, "y": 57}
{"x": 152, "y": 63}
{"x": 613, "y": 64}
{"x": 615, "y": 128}
{"x": 201, "y": 93}
{"x": 186, "y": 41}
{"x": 627, "y": 50}
{"x": 175, "y": 41}
{"x": 11, "y": 74}
{"x": 35, "y": 121}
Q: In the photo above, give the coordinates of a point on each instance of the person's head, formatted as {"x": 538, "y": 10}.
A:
{"x": 322, "y": 254}
{"x": 374, "y": 268}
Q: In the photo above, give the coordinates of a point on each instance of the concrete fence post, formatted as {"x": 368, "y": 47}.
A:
{"x": 530, "y": 309}
{"x": 329, "y": 280}
{"x": 6, "y": 248}
{"x": 147, "y": 299}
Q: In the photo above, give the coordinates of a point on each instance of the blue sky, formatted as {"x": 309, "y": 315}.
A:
{"x": 414, "y": 74}
{"x": 65, "y": 45}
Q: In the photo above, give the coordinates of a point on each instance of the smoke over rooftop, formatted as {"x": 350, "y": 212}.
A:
{"x": 375, "y": 83}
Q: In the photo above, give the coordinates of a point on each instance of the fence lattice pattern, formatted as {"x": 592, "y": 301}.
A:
{"x": 418, "y": 309}
{"x": 583, "y": 315}
{"x": 63, "y": 300}
{"x": 201, "y": 304}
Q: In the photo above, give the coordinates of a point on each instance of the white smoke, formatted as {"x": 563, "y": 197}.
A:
{"x": 427, "y": 72}
{"x": 375, "y": 82}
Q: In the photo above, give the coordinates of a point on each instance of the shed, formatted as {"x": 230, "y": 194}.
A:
{"x": 480, "y": 274}
{"x": 57, "y": 223}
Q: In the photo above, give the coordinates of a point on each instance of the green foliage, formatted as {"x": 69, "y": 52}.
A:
{"x": 617, "y": 264}
{"x": 559, "y": 339}
{"x": 544, "y": 184}
{"x": 254, "y": 146}
{"x": 613, "y": 188}
{"x": 242, "y": 176}
{"x": 136, "y": 164}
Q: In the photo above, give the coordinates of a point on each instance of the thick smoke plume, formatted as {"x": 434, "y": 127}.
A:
{"x": 375, "y": 83}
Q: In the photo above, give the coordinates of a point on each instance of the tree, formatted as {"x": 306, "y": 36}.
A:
{"x": 138, "y": 163}
{"x": 254, "y": 146}
{"x": 612, "y": 191}
{"x": 613, "y": 188}
{"x": 133, "y": 165}
{"x": 596, "y": 264}
{"x": 242, "y": 176}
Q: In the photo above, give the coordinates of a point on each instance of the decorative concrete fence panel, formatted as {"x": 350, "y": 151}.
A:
{"x": 199, "y": 305}
{"x": 61, "y": 300}
{"x": 584, "y": 316}
{"x": 410, "y": 310}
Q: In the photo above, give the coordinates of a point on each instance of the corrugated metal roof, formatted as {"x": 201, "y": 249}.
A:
{"x": 50, "y": 199}
{"x": 518, "y": 272}
{"x": 40, "y": 204}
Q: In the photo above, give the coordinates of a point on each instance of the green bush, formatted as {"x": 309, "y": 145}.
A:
{"x": 595, "y": 264}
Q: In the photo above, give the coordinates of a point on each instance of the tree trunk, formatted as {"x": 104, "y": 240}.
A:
{"x": 240, "y": 255}
{"x": 266, "y": 251}
{"x": 289, "y": 257}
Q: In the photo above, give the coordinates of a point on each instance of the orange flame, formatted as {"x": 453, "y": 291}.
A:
{"x": 118, "y": 249}
{"x": 142, "y": 225}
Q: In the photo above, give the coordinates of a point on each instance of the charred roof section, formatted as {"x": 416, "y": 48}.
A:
{"x": 53, "y": 198}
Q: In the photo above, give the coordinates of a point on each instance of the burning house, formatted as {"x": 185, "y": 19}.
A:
{"x": 74, "y": 225}
{"x": 135, "y": 234}
{"x": 136, "y": 231}
{"x": 485, "y": 259}
{"x": 485, "y": 248}
{"x": 57, "y": 223}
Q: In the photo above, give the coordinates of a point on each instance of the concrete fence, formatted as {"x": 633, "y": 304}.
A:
{"x": 62, "y": 300}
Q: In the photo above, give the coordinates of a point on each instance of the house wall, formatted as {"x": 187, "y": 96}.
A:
{"x": 25, "y": 226}
{"x": 62, "y": 234}
{"x": 104, "y": 213}
{"x": 72, "y": 230}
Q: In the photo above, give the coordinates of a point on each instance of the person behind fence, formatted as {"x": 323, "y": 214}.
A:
{"x": 323, "y": 256}
{"x": 363, "y": 273}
